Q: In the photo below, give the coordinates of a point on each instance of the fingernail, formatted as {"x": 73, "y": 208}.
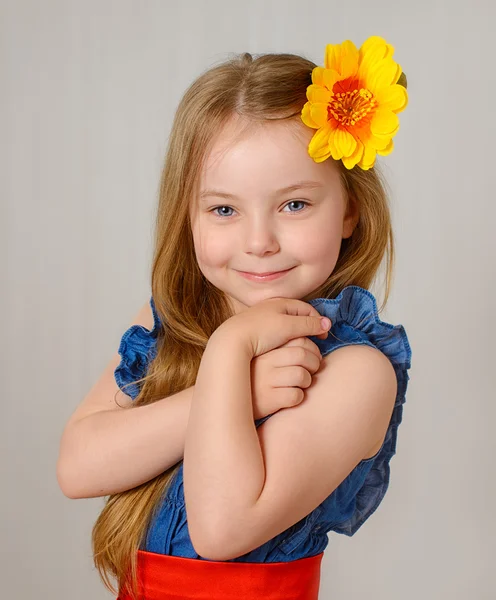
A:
{"x": 326, "y": 323}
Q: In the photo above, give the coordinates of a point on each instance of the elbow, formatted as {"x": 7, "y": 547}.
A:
{"x": 216, "y": 553}
{"x": 210, "y": 553}
{"x": 73, "y": 485}
{"x": 209, "y": 544}
{"x": 69, "y": 469}
{"x": 66, "y": 482}
{"x": 69, "y": 473}
{"x": 77, "y": 481}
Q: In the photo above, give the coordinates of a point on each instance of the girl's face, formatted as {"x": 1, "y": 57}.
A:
{"x": 256, "y": 226}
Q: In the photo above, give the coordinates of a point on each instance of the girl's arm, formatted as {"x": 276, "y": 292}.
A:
{"x": 106, "y": 449}
{"x": 110, "y": 451}
{"x": 223, "y": 467}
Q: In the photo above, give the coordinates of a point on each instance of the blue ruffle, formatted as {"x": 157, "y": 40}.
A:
{"x": 355, "y": 320}
{"x": 137, "y": 349}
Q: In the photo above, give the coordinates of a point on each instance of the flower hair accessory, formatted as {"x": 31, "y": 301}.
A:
{"x": 353, "y": 102}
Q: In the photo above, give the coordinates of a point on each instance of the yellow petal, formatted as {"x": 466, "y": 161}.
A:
{"x": 306, "y": 117}
{"x": 387, "y": 150}
{"x": 320, "y": 159}
{"x": 317, "y": 93}
{"x": 342, "y": 58}
{"x": 349, "y": 60}
{"x": 394, "y": 98}
{"x": 379, "y": 143}
{"x": 371, "y": 52}
{"x": 335, "y": 152}
{"x": 318, "y": 113}
{"x": 344, "y": 141}
{"x": 326, "y": 142}
{"x": 376, "y": 46}
{"x": 318, "y": 76}
{"x": 368, "y": 158}
{"x": 381, "y": 75}
{"x": 330, "y": 77}
{"x": 384, "y": 122}
{"x": 350, "y": 161}
{"x": 320, "y": 140}
{"x": 323, "y": 152}
{"x": 378, "y": 40}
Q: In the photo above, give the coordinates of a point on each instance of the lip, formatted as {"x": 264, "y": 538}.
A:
{"x": 266, "y": 276}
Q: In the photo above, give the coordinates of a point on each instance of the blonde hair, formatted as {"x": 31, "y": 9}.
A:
{"x": 271, "y": 86}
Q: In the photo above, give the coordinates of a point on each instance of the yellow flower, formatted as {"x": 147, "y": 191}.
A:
{"x": 353, "y": 103}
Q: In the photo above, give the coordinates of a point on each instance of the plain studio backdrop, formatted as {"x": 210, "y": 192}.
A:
{"x": 88, "y": 93}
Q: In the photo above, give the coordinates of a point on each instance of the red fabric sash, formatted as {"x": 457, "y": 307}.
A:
{"x": 164, "y": 577}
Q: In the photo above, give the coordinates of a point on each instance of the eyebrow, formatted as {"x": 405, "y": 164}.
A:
{"x": 306, "y": 184}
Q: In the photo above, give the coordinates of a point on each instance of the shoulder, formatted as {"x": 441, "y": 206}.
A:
{"x": 376, "y": 371}
{"x": 357, "y": 383}
{"x": 364, "y": 375}
{"x": 144, "y": 317}
{"x": 361, "y": 358}
{"x": 362, "y": 354}
{"x": 362, "y": 366}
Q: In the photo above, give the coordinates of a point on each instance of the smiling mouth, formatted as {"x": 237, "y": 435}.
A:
{"x": 265, "y": 274}
{"x": 267, "y": 277}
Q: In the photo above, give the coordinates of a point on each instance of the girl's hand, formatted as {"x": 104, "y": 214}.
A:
{"x": 274, "y": 322}
{"x": 278, "y": 376}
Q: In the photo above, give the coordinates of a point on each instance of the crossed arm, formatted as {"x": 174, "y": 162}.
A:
{"x": 244, "y": 486}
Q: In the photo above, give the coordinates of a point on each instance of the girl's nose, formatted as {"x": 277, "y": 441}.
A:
{"x": 260, "y": 239}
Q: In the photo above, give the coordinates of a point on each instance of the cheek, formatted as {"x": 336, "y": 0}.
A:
{"x": 320, "y": 244}
{"x": 211, "y": 248}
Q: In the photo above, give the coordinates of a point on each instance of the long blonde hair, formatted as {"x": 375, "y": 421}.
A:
{"x": 189, "y": 306}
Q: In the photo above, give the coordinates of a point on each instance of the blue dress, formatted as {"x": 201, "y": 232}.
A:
{"x": 355, "y": 320}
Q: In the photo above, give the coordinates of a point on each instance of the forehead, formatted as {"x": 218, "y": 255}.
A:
{"x": 263, "y": 156}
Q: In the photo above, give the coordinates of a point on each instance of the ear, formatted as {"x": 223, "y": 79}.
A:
{"x": 351, "y": 217}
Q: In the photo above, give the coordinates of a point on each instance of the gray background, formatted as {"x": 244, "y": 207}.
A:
{"x": 88, "y": 93}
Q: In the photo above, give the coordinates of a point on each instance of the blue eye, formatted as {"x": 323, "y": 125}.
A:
{"x": 216, "y": 208}
{"x": 296, "y": 202}
{"x": 229, "y": 207}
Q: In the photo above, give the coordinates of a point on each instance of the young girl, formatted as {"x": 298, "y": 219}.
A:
{"x": 249, "y": 430}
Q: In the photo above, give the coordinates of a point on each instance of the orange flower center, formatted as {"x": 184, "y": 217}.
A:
{"x": 352, "y": 106}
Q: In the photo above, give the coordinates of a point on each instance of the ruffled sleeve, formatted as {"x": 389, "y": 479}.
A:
{"x": 355, "y": 320}
{"x": 137, "y": 349}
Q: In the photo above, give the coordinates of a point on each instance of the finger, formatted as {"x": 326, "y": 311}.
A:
{"x": 311, "y": 362}
{"x": 306, "y": 325}
{"x": 311, "y": 323}
{"x": 298, "y": 307}
{"x": 291, "y": 376}
{"x": 288, "y": 396}
{"x": 306, "y": 343}
{"x": 294, "y": 355}
{"x": 299, "y": 356}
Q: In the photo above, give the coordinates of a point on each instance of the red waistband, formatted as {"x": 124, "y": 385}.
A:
{"x": 164, "y": 577}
